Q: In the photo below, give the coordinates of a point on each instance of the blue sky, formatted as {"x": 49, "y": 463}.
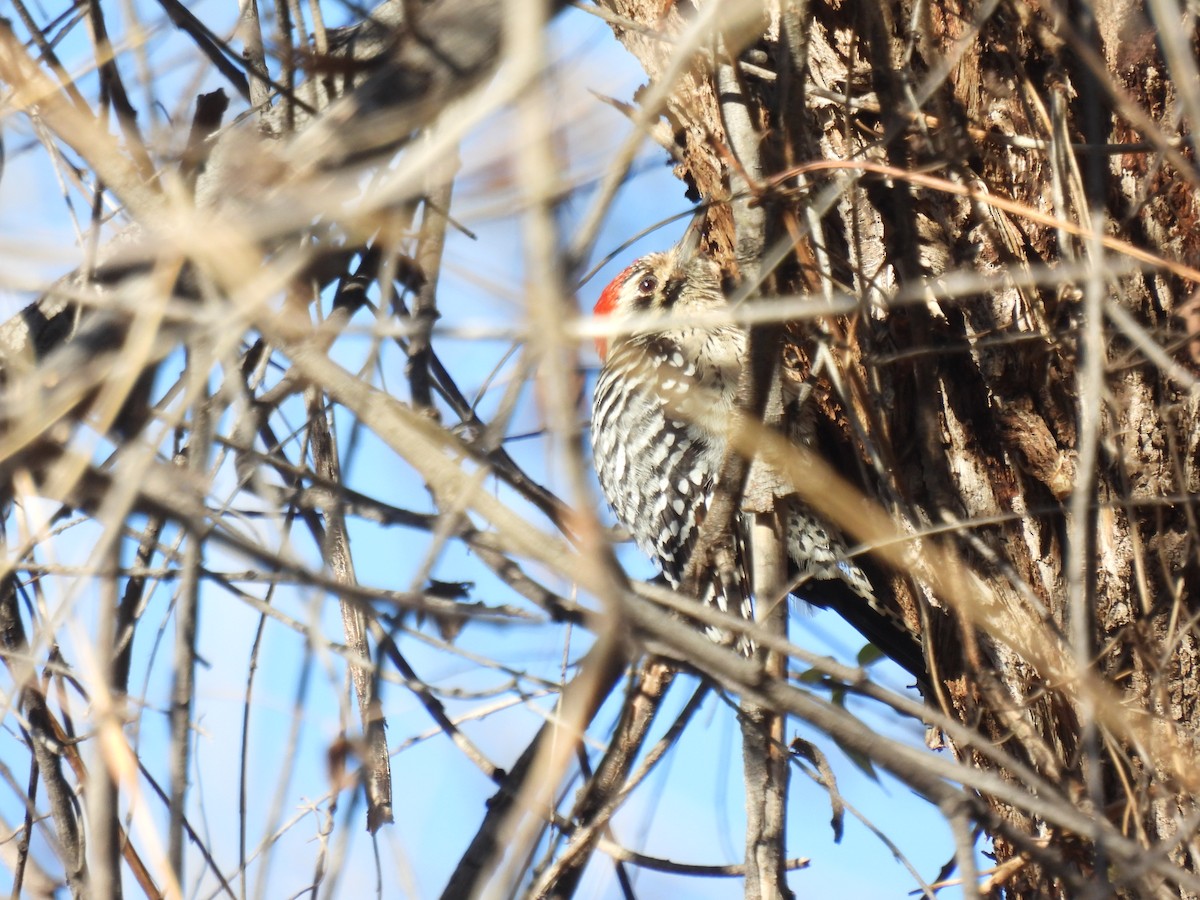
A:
{"x": 688, "y": 811}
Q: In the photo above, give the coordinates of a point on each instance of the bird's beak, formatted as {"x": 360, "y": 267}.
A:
{"x": 689, "y": 244}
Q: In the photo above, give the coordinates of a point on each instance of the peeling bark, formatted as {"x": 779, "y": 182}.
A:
{"x": 963, "y": 359}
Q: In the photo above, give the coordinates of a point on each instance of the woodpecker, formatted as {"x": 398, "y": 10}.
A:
{"x": 665, "y": 394}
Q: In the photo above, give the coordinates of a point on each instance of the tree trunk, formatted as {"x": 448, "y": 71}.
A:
{"x": 1005, "y": 193}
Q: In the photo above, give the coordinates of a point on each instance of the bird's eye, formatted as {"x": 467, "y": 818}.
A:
{"x": 648, "y": 285}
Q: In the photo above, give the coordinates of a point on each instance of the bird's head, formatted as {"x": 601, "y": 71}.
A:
{"x": 660, "y": 284}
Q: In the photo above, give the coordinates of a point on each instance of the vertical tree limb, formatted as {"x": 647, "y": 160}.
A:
{"x": 764, "y": 752}
{"x": 376, "y": 763}
{"x": 44, "y": 742}
{"x": 519, "y": 796}
{"x": 187, "y": 609}
{"x": 596, "y": 802}
{"x": 102, "y": 784}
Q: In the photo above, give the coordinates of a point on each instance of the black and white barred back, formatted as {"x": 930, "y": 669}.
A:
{"x": 663, "y": 400}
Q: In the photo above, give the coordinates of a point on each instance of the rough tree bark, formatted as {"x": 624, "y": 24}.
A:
{"x": 1016, "y": 380}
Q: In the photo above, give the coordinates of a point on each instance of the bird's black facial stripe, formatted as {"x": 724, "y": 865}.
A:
{"x": 671, "y": 292}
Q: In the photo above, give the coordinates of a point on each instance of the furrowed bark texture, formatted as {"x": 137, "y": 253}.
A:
{"x": 921, "y": 171}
